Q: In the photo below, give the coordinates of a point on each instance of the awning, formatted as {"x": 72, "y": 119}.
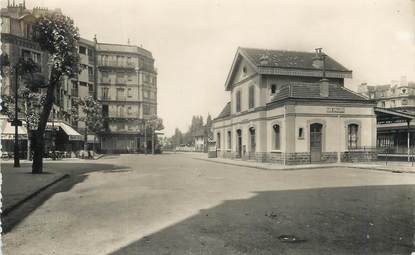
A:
{"x": 72, "y": 133}
{"x": 7, "y": 131}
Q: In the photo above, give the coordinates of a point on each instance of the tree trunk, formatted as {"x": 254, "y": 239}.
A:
{"x": 28, "y": 144}
{"x": 86, "y": 138}
{"x": 38, "y": 141}
{"x": 38, "y": 145}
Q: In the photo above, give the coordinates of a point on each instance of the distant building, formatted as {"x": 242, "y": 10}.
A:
{"x": 127, "y": 89}
{"x": 282, "y": 111}
{"x": 395, "y": 136}
{"x": 200, "y": 140}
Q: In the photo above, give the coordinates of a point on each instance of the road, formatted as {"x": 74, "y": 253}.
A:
{"x": 173, "y": 204}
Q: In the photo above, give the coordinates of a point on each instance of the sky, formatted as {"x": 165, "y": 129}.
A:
{"x": 194, "y": 41}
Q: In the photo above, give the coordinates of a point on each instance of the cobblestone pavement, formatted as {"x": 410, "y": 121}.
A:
{"x": 173, "y": 204}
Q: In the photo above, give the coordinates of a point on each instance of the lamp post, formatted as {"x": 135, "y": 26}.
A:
{"x": 53, "y": 134}
{"x": 16, "y": 122}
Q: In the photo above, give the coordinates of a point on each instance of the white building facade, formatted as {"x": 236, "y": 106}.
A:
{"x": 281, "y": 111}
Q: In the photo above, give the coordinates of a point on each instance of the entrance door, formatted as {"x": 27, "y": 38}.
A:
{"x": 315, "y": 142}
{"x": 239, "y": 142}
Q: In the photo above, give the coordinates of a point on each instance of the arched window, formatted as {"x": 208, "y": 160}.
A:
{"x": 277, "y": 137}
{"x": 252, "y": 139}
{"x": 218, "y": 141}
{"x": 353, "y": 135}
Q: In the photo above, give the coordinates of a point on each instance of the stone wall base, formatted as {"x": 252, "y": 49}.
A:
{"x": 358, "y": 156}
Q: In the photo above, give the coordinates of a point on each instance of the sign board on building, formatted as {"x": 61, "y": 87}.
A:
{"x": 335, "y": 110}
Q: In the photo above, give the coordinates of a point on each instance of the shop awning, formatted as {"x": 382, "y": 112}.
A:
{"x": 72, "y": 133}
{"x": 7, "y": 131}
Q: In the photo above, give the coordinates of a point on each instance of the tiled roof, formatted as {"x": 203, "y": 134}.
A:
{"x": 226, "y": 111}
{"x": 289, "y": 59}
{"x": 302, "y": 90}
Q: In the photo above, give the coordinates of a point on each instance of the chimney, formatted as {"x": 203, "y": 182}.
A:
{"x": 324, "y": 87}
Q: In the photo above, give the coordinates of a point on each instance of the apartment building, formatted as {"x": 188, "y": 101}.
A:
{"x": 121, "y": 77}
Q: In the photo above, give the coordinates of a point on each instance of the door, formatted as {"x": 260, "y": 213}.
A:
{"x": 239, "y": 142}
{"x": 315, "y": 142}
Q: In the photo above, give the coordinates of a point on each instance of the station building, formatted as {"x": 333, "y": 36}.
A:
{"x": 291, "y": 107}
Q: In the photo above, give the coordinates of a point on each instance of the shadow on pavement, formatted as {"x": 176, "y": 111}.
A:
{"x": 344, "y": 220}
{"x": 77, "y": 173}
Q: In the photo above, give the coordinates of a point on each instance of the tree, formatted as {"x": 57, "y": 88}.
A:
{"x": 92, "y": 116}
{"x": 56, "y": 34}
{"x": 154, "y": 124}
{"x": 30, "y": 98}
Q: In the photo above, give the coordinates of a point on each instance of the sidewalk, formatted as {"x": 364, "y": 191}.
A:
{"x": 19, "y": 185}
{"x": 404, "y": 167}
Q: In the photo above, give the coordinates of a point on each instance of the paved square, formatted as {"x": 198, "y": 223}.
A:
{"x": 173, "y": 204}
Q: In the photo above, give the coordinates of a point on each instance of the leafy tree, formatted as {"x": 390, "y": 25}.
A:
{"x": 29, "y": 98}
{"x": 92, "y": 115}
{"x": 154, "y": 124}
{"x": 56, "y": 34}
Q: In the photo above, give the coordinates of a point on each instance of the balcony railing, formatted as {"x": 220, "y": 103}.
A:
{"x": 116, "y": 64}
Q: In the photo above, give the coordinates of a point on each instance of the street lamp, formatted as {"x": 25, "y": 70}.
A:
{"x": 53, "y": 135}
{"x": 16, "y": 122}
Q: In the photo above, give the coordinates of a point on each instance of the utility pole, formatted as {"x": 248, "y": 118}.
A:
{"x": 53, "y": 134}
{"x": 145, "y": 137}
{"x": 152, "y": 140}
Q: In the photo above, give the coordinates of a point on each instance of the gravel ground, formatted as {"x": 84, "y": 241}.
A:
{"x": 172, "y": 204}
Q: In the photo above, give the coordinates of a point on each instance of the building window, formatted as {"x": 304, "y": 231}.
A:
{"x": 121, "y": 126}
{"x": 251, "y": 97}
{"x": 238, "y": 101}
{"x": 82, "y": 50}
{"x": 244, "y": 70}
{"x": 90, "y": 52}
{"x": 120, "y": 94}
{"x": 404, "y": 102}
{"x": 218, "y": 141}
{"x": 273, "y": 89}
{"x": 252, "y": 139}
{"x": 146, "y": 109}
{"x": 383, "y": 104}
{"x": 129, "y": 110}
{"x": 105, "y": 93}
{"x": 129, "y": 92}
{"x": 393, "y": 103}
{"x": 121, "y": 111}
{"x": 301, "y": 133}
{"x": 277, "y": 137}
{"x": 352, "y": 131}
{"x": 403, "y": 91}
{"x": 90, "y": 89}
{"x": 229, "y": 140}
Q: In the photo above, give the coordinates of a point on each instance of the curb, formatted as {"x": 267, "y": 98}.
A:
{"x": 6, "y": 211}
{"x": 265, "y": 168}
{"x": 311, "y": 167}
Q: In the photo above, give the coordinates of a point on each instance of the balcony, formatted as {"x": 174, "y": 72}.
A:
{"x": 115, "y": 64}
